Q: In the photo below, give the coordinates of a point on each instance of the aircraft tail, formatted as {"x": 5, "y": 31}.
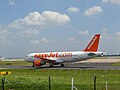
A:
{"x": 93, "y": 45}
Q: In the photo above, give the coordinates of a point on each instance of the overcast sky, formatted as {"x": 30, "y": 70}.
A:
{"x": 28, "y": 26}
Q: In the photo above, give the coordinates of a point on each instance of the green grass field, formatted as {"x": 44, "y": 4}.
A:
{"x": 116, "y": 64}
{"x": 37, "y": 79}
{"x": 15, "y": 63}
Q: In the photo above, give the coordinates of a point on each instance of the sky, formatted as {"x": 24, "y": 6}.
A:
{"x": 28, "y": 26}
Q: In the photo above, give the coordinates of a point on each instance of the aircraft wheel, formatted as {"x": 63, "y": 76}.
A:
{"x": 51, "y": 66}
{"x": 62, "y": 65}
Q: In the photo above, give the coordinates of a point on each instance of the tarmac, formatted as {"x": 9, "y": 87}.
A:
{"x": 100, "y": 64}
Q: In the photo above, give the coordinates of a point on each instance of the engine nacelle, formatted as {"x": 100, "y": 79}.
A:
{"x": 39, "y": 62}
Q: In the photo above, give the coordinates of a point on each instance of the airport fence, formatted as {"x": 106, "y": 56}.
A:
{"x": 54, "y": 85}
{"x": 61, "y": 80}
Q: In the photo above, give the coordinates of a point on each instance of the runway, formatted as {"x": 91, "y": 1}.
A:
{"x": 84, "y": 66}
{"x": 96, "y": 63}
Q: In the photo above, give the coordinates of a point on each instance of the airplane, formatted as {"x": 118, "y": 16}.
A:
{"x": 55, "y": 58}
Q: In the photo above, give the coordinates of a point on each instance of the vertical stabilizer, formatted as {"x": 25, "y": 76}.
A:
{"x": 93, "y": 45}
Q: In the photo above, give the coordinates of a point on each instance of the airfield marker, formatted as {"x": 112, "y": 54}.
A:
{"x": 5, "y": 73}
{"x": 3, "y": 80}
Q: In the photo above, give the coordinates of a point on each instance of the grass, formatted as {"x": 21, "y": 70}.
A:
{"x": 116, "y": 64}
{"x": 37, "y": 79}
{"x": 15, "y": 63}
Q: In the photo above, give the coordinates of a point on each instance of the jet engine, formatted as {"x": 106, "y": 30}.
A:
{"x": 38, "y": 62}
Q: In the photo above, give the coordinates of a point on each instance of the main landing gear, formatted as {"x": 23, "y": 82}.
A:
{"x": 51, "y": 65}
{"x": 62, "y": 65}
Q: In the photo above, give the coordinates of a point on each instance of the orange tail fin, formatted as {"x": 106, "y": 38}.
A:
{"x": 93, "y": 45}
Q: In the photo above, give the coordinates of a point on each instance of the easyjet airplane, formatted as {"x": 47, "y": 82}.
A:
{"x": 54, "y": 58}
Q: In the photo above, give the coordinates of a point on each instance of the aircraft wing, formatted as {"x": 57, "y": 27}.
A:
{"x": 52, "y": 60}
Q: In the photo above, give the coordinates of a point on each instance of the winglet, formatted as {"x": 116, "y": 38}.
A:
{"x": 93, "y": 45}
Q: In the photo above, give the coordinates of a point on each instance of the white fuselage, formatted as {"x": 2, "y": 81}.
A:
{"x": 53, "y": 58}
{"x": 63, "y": 56}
